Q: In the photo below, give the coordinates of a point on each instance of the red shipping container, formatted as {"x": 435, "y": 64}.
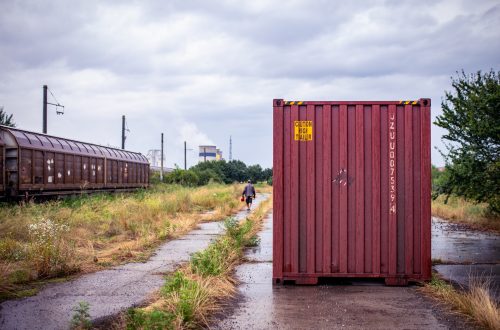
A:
{"x": 352, "y": 190}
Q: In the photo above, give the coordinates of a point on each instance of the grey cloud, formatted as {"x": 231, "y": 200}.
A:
{"x": 218, "y": 64}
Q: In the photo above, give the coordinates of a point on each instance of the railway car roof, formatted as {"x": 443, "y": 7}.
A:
{"x": 46, "y": 142}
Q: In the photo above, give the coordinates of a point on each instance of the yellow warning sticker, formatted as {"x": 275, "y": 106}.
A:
{"x": 303, "y": 130}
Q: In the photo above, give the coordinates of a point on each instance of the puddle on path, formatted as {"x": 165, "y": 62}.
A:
{"x": 366, "y": 305}
{"x": 453, "y": 243}
{"x": 110, "y": 291}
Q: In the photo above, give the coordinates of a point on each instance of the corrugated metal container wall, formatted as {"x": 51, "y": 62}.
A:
{"x": 351, "y": 191}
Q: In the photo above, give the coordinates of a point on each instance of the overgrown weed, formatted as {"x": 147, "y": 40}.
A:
{"x": 81, "y": 317}
{"x": 89, "y": 232}
{"x": 461, "y": 211}
{"x": 476, "y": 302}
{"x": 194, "y": 292}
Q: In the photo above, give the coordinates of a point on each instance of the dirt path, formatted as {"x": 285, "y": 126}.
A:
{"x": 357, "y": 305}
{"x": 110, "y": 291}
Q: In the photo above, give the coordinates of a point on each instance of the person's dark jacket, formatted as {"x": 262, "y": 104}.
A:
{"x": 249, "y": 190}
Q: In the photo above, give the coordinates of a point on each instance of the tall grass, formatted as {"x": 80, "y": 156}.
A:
{"x": 91, "y": 232}
{"x": 476, "y": 302}
{"x": 194, "y": 292}
{"x": 459, "y": 210}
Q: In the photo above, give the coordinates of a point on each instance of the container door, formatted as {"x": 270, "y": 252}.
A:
{"x": 352, "y": 189}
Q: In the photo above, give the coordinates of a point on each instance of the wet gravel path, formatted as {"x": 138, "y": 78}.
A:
{"x": 110, "y": 291}
{"x": 465, "y": 252}
{"x": 345, "y": 305}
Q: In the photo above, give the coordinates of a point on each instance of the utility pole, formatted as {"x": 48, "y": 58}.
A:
{"x": 123, "y": 132}
{"x": 161, "y": 159}
{"x": 44, "y": 109}
{"x": 45, "y": 103}
{"x": 185, "y": 152}
{"x": 204, "y": 154}
{"x": 185, "y": 161}
{"x": 230, "y": 148}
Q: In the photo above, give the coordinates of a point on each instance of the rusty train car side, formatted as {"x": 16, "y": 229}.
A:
{"x": 352, "y": 190}
{"x": 40, "y": 164}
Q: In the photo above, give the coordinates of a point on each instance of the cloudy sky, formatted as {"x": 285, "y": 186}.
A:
{"x": 203, "y": 70}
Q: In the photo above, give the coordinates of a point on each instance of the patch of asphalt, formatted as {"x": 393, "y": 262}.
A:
{"x": 361, "y": 304}
{"x": 111, "y": 291}
{"x": 459, "y": 244}
{"x": 463, "y": 252}
{"x": 461, "y": 274}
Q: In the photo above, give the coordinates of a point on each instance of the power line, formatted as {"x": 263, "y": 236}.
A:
{"x": 57, "y": 104}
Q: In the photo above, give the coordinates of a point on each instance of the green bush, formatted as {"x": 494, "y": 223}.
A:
{"x": 81, "y": 318}
{"x": 185, "y": 178}
{"x": 207, "y": 176}
{"x": 187, "y": 290}
{"x": 155, "y": 320}
{"x": 154, "y": 177}
{"x": 214, "y": 260}
{"x": 12, "y": 250}
{"x": 48, "y": 252}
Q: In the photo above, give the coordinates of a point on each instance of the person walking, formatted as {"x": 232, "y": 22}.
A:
{"x": 249, "y": 194}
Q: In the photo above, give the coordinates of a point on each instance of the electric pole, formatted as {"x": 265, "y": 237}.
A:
{"x": 45, "y": 103}
{"x": 230, "y": 148}
{"x": 161, "y": 159}
{"x": 204, "y": 154}
{"x": 185, "y": 152}
{"x": 123, "y": 132}
{"x": 44, "y": 109}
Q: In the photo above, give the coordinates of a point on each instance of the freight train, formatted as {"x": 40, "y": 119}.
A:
{"x": 34, "y": 164}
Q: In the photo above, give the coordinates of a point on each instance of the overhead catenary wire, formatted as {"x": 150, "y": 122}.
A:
{"x": 57, "y": 104}
{"x": 50, "y": 91}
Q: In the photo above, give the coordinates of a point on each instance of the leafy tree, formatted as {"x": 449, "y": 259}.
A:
{"x": 229, "y": 172}
{"x": 207, "y": 175}
{"x": 471, "y": 115}
{"x": 267, "y": 175}
{"x": 237, "y": 171}
{"x": 437, "y": 176}
{"x": 216, "y": 167}
{"x": 255, "y": 173}
{"x": 6, "y": 119}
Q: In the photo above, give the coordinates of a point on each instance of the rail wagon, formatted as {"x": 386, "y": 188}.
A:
{"x": 39, "y": 164}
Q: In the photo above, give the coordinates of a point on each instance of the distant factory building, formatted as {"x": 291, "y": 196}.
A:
{"x": 218, "y": 155}
{"x": 209, "y": 153}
